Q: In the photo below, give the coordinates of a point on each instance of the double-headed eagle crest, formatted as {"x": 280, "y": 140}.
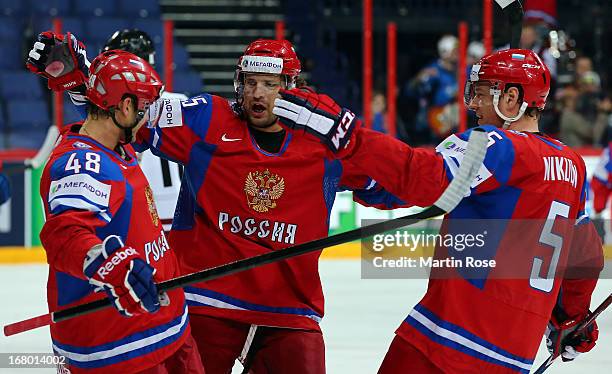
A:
{"x": 151, "y": 204}
{"x": 262, "y": 189}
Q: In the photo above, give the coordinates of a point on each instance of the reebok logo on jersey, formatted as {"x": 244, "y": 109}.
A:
{"x": 118, "y": 256}
{"x": 226, "y": 139}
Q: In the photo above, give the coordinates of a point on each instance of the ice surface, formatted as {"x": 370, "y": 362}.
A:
{"x": 361, "y": 316}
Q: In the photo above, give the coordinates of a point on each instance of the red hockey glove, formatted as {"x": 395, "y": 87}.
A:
{"x": 317, "y": 114}
{"x": 559, "y": 343}
{"x": 124, "y": 275}
{"x": 62, "y": 59}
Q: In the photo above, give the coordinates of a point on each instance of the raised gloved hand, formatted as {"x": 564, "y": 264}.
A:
{"x": 559, "y": 343}
{"x": 317, "y": 114}
{"x": 124, "y": 275}
{"x": 62, "y": 59}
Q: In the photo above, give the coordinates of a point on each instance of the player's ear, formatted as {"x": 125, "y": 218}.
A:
{"x": 512, "y": 97}
{"x": 127, "y": 105}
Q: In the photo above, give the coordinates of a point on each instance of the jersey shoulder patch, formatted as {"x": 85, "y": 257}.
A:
{"x": 498, "y": 159}
{"x": 82, "y": 179}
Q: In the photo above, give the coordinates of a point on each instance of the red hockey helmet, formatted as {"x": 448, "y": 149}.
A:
{"x": 268, "y": 56}
{"x": 518, "y": 67}
{"x": 115, "y": 73}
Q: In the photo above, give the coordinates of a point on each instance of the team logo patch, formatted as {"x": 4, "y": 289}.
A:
{"x": 151, "y": 205}
{"x": 81, "y": 145}
{"x": 263, "y": 189}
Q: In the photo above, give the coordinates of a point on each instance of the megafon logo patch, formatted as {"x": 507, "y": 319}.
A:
{"x": 449, "y": 145}
{"x": 262, "y": 64}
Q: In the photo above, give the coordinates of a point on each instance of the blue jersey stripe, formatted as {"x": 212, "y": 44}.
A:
{"x": 455, "y": 337}
{"x": 133, "y": 346}
{"x": 203, "y": 297}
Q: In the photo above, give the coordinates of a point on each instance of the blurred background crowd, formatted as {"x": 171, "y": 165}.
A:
{"x": 572, "y": 37}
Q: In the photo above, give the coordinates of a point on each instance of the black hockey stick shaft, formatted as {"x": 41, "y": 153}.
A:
{"x": 583, "y": 325}
{"x": 514, "y": 12}
{"x": 266, "y": 258}
{"x": 449, "y": 199}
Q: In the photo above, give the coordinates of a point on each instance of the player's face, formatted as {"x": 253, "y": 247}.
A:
{"x": 260, "y": 90}
{"x": 128, "y": 114}
{"x": 482, "y": 105}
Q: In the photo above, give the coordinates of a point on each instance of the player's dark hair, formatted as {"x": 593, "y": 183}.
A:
{"x": 300, "y": 82}
{"x": 98, "y": 113}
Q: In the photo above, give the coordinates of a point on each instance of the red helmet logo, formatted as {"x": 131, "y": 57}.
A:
{"x": 519, "y": 67}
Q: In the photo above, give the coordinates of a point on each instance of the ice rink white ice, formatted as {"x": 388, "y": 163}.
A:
{"x": 361, "y": 316}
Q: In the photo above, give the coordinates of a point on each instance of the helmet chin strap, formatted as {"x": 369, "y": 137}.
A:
{"x": 507, "y": 120}
{"x": 127, "y": 131}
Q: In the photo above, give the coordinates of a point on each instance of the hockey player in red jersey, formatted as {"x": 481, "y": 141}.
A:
{"x": 487, "y": 324}
{"x": 103, "y": 233}
{"x": 601, "y": 184}
{"x": 251, "y": 186}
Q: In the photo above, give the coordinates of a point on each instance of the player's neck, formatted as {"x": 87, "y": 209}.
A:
{"x": 275, "y": 127}
{"x": 526, "y": 124}
{"x": 101, "y": 130}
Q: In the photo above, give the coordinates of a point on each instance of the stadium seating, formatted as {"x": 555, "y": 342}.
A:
{"x": 70, "y": 113}
{"x": 11, "y": 57}
{"x": 12, "y": 7}
{"x": 24, "y": 102}
{"x": 28, "y": 121}
{"x": 153, "y": 27}
{"x": 51, "y": 7}
{"x": 139, "y": 8}
{"x": 106, "y": 8}
{"x": 10, "y": 29}
{"x": 101, "y": 28}
{"x": 20, "y": 84}
{"x": 188, "y": 83}
{"x": 69, "y": 24}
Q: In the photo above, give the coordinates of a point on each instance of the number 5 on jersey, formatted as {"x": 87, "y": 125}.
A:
{"x": 555, "y": 241}
{"x": 92, "y": 163}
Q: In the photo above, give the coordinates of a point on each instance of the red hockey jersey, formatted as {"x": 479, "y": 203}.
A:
{"x": 601, "y": 184}
{"x": 238, "y": 201}
{"x": 90, "y": 192}
{"x": 494, "y": 322}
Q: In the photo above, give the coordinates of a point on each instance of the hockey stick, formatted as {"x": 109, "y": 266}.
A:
{"x": 514, "y": 11}
{"x": 41, "y": 156}
{"x": 451, "y": 197}
{"x": 583, "y": 325}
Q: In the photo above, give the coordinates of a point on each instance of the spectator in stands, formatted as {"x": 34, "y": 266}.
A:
{"x": 584, "y": 115}
{"x": 535, "y": 37}
{"x": 583, "y": 64}
{"x": 475, "y": 51}
{"x": 379, "y": 117}
{"x": 435, "y": 87}
{"x": 379, "y": 112}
